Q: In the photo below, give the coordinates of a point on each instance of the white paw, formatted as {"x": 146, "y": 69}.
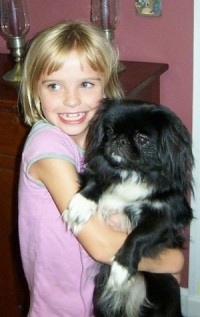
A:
{"x": 79, "y": 211}
{"x": 119, "y": 275}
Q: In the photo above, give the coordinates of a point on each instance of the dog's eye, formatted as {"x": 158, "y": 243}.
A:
{"x": 141, "y": 139}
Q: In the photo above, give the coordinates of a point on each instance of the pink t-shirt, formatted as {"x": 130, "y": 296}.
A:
{"x": 58, "y": 270}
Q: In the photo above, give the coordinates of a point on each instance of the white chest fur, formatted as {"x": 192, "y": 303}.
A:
{"x": 117, "y": 197}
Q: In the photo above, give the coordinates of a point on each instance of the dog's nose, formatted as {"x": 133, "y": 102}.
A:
{"x": 121, "y": 141}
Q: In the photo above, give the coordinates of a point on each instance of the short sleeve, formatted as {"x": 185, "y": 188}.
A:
{"x": 46, "y": 140}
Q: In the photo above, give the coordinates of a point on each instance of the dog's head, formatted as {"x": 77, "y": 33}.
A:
{"x": 146, "y": 138}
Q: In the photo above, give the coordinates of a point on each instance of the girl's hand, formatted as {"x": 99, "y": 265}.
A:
{"x": 120, "y": 222}
{"x": 168, "y": 261}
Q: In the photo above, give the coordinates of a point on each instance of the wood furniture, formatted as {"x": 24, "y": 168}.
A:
{"x": 139, "y": 80}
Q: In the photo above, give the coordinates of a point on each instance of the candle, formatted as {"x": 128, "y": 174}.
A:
{"x": 105, "y": 14}
{"x": 14, "y": 23}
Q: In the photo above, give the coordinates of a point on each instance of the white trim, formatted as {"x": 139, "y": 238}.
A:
{"x": 190, "y": 303}
{"x": 191, "y": 296}
{"x": 194, "y": 273}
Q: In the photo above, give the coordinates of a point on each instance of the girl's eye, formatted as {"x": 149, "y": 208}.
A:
{"x": 54, "y": 86}
{"x": 86, "y": 84}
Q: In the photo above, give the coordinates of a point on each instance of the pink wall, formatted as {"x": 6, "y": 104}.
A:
{"x": 166, "y": 39}
{"x": 160, "y": 39}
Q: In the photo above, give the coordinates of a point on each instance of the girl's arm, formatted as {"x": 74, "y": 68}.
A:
{"x": 61, "y": 180}
{"x": 98, "y": 239}
{"x": 108, "y": 241}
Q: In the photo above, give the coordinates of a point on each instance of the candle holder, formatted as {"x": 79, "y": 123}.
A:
{"x": 15, "y": 25}
{"x": 105, "y": 14}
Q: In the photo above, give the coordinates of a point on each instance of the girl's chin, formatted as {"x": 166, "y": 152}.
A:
{"x": 74, "y": 131}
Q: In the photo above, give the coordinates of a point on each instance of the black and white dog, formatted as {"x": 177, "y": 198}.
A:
{"x": 138, "y": 162}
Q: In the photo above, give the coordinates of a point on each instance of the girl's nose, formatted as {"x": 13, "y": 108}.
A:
{"x": 71, "y": 99}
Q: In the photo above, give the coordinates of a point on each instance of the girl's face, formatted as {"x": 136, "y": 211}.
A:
{"x": 70, "y": 96}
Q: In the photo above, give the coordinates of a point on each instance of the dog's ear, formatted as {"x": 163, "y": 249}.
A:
{"x": 96, "y": 132}
{"x": 175, "y": 151}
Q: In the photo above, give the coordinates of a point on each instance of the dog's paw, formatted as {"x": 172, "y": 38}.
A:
{"x": 79, "y": 211}
{"x": 119, "y": 276}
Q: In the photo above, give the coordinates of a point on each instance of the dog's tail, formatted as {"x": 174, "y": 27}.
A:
{"x": 135, "y": 298}
{"x": 125, "y": 301}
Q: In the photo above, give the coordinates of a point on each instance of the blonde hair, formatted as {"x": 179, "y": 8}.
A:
{"x": 47, "y": 53}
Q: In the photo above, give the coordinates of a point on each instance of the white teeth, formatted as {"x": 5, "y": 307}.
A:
{"x": 72, "y": 115}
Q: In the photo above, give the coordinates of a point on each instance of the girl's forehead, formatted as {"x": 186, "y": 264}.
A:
{"x": 81, "y": 58}
{"x": 71, "y": 60}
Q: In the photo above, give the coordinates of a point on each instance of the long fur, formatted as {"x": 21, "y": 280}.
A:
{"x": 138, "y": 162}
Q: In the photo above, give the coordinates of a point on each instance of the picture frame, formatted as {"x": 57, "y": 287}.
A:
{"x": 148, "y": 7}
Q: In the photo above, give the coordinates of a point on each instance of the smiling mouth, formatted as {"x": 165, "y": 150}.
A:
{"x": 77, "y": 117}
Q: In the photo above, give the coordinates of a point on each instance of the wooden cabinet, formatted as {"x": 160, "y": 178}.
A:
{"x": 13, "y": 288}
{"x": 139, "y": 80}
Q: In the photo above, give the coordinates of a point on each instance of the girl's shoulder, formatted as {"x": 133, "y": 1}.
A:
{"x": 46, "y": 140}
{"x": 43, "y": 130}
{"x": 46, "y": 135}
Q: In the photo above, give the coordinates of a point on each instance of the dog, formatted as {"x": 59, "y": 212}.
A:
{"x": 138, "y": 162}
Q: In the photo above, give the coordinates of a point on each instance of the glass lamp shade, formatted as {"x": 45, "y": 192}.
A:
{"x": 104, "y": 13}
{"x": 14, "y": 18}
{"x": 15, "y": 25}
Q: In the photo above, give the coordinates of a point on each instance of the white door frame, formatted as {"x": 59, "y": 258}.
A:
{"x": 191, "y": 296}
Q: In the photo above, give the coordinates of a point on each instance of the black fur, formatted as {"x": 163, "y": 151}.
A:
{"x": 147, "y": 149}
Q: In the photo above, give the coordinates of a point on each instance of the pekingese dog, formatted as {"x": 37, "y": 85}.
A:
{"x": 138, "y": 162}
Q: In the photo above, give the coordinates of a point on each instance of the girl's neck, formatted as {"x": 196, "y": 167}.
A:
{"x": 80, "y": 141}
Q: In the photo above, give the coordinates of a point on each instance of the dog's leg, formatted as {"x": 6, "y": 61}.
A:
{"x": 79, "y": 211}
{"x": 147, "y": 239}
{"x": 82, "y": 206}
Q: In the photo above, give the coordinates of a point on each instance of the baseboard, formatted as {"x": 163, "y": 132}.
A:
{"x": 190, "y": 304}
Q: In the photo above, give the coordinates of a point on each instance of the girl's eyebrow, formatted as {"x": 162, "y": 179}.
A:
{"x": 49, "y": 81}
{"x": 44, "y": 81}
{"x": 91, "y": 79}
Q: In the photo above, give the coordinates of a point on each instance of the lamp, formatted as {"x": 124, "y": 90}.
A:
{"x": 15, "y": 25}
{"x": 105, "y": 14}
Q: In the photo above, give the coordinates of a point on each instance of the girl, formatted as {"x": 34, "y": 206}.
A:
{"x": 68, "y": 69}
